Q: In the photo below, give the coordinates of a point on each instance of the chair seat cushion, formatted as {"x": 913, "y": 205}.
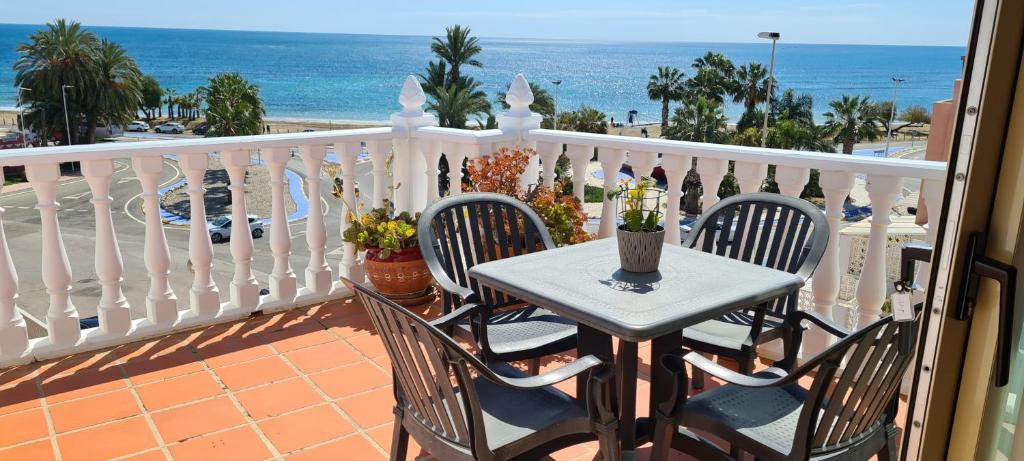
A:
{"x": 511, "y": 414}
{"x": 529, "y": 328}
{"x": 730, "y": 331}
{"x": 766, "y": 415}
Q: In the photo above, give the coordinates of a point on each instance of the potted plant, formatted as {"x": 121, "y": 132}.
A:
{"x": 394, "y": 264}
{"x": 639, "y": 236}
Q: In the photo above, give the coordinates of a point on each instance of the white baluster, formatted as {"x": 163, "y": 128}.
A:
{"x": 611, "y": 162}
{"x": 931, "y": 190}
{"x": 456, "y": 154}
{"x": 675, "y": 167}
{"x": 431, "y": 151}
{"x": 643, "y": 163}
{"x": 711, "y": 172}
{"x": 518, "y": 120}
{"x": 580, "y": 157}
{"x": 204, "y": 297}
{"x": 791, "y": 180}
{"x": 379, "y": 158}
{"x": 245, "y": 291}
{"x": 318, "y": 272}
{"x": 836, "y": 186}
{"x": 114, "y": 316}
{"x": 13, "y": 331}
{"x": 404, "y": 147}
{"x": 750, "y": 175}
{"x": 161, "y": 304}
{"x": 871, "y": 288}
{"x": 283, "y": 286}
{"x": 548, "y": 153}
{"x": 348, "y": 267}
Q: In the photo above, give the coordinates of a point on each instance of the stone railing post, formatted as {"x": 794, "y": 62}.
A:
{"x": 431, "y": 151}
{"x": 13, "y": 330}
{"x": 675, "y": 167}
{"x": 114, "y": 316}
{"x": 404, "y": 146}
{"x": 518, "y": 120}
{"x": 347, "y": 155}
{"x": 161, "y": 304}
{"x": 791, "y": 180}
{"x": 318, "y": 273}
{"x": 711, "y": 172}
{"x": 203, "y": 296}
{"x": 283, "y": 286}
{"x": 245, "y": 291}
{"x": 548, "y": 154}
{"x": 379, "y": 151}
{"x": 580, "y": 157}
{"x": 750, "y": 175}
{"x": 836, "y": 186}
{"x": 871, "y": 288}
{"x": 611, "y": 162}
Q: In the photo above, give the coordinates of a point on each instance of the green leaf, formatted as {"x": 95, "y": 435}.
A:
{"x": 651, "y": 224}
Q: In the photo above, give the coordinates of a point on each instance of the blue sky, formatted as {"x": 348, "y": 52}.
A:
{"x": 935, "y": 22}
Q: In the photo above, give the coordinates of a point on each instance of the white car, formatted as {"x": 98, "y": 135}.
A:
{"x": 137, "y": 125}
{"x": 220, "y": 228}
{"x": 170, "y": 127}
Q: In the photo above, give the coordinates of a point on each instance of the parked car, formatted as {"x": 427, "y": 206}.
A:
{"x": 13, "y": 140}
{"x": 220, "y": 228}
{"x": 170, "y": 127}
{"x": 137, "y": 125}
{"x": 201, "y": 129}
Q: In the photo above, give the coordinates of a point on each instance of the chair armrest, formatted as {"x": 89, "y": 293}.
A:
{"x": 450, "y": 318}
{"x": 555, "y": 376}
{"x": 795, "y": 317}
{"x": 725, "y": 374}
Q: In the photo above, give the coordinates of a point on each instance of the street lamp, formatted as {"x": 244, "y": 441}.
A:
{"x": 892, "y": 113}
{"x": 21, "y": 113}
{"x": 67, "y": 124}
{"x": 557, "y": 83}
{"x": 774, "y": 37}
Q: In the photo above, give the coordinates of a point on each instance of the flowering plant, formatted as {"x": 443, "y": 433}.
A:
{"x": 380, "y": 228}
{"x": 639, "y": 206}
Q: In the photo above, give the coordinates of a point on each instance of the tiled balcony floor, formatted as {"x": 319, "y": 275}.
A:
{"x": 306, "y": 384}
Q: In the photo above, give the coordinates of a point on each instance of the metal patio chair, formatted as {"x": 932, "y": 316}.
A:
{"x": 459, "y": 232}
{"x": 772, "y": 230}
{"x": 846, "y": 413}
{"x": 458, "y": 408}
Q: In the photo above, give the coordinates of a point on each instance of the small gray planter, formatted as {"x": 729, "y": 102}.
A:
{"x": 640, "y": 251}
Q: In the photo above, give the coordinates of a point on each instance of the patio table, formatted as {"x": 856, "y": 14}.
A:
{"x": 584, "y": 283}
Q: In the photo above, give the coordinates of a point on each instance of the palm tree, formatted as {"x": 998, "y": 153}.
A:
{"x": 234, "y": 106}
{"x": 454, "y": 104}
{"x": 701, "y": 120}
{"x": 852, "y": 120}
{"x": 586, "y": 119}
{"x": 543, "y": 102}
{"x": 799, "y": 109}
{"x": 172, "y": 98}
{"x": 152, "y": 95}
{"x": 457, "y": 49}
{"x": 667, "y": 85}
{"x": 116, "y": 92}
{"x": 752, "y": 86}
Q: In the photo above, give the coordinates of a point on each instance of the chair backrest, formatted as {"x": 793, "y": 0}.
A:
{"x": 771, "y": 230}
{"x": 459, "y": 232}
{"x": 845, "y": 404}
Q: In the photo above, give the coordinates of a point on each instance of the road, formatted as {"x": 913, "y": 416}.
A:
{"x": 77, "y": 223}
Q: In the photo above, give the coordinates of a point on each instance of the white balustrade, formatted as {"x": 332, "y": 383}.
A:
{"x": 403, "y": 124}
{"x": 711, "y": 171}
{"x": 675, "y": 167}
{"x": 836, "y": 186}
{"x": 318, "y": 273}
{"x": 244, "y": 294}
{"x": 379, "y": 151}
{"x": 13, "y": 331}
{"x": 871, "y": 288}
{"x": 161, "y": 304}
{"x": 431, "y": 151}
{"x": 611, "y": 161}
{"x": 114, "y": 316}
{"x": 455, "y": 153}
{"x": 62, "y": 316}
{"x": 579, "y": 156}
{"x": 203, "y": 296}
{"x": 347, "y": 154}
{"x": 283, "y": 286}
{"x": 792, "y": 179}
{"x": 548, "y": 154}
{"x": 749, "y": 176}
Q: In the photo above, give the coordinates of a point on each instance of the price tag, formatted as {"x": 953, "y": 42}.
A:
{"x": 902, "y": 307}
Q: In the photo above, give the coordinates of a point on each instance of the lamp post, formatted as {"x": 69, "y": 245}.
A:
{"x": 774, "y": 37}
{"x": 67, "y": 123}
{"x": 21, "y": 113}
{"x": 892, "y": 113}
{"x": 557, "y": 84}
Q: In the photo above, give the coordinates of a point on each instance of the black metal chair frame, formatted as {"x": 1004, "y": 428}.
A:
{"x": 451, "y": 247}
{"x": 791, "y": 236}
{"x": 450, "y": 420}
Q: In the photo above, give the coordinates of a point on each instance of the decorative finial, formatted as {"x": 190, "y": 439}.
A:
{"x": 412, "y": 97}
{"x": 519, "y": 96}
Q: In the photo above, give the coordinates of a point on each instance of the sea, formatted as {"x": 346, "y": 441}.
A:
{"x": 346, "y": 77}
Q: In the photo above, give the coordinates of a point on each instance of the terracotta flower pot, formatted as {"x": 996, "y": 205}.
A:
{"x": 403, "y": 276}
{"x": 640, "y": 251}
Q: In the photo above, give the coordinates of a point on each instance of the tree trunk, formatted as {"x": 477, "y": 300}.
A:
{"x": 848, "y": 146}
{"x": 664, "y": 112}
{"x": 44, "y": 134}
{"x": 90, "y": 132}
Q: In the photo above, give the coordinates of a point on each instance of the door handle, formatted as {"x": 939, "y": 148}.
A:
{"x": 976, "y": 266}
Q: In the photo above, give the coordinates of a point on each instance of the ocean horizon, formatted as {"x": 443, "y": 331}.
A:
{"x": 348, "y": 77}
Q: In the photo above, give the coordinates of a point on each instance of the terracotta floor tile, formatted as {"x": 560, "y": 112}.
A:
{"x": 36, "y": 451}
{"x": 349, "y": 326}
{"x": 175, "y": 391}
{"x": 153, "y": 455}
{"x": 323, "y": 356}
{"x": 371, "y": 409}
{"x": 304, "y": 428}
{"x": 199, "y": 418}
{"x": 353, "y": 447}
{"x": 260, "y": 371}
{"x": 305, "y": 334}
{"x": 81, "y": 384}
{"x": 239, "y": 444}
{"x": 382, "y": 435}
{"x": 227, "y": 345}
{"x": 108, "y": 441}
{"x": 18, "y": 390}
{"x": 345, "y": 381}
{"x": 234, "y": 354}
{"x": 182, "y": 362}
{"x": 93, "y": 410}
{"x": 21, "y": 427}
{"x": 275, "y": 399}
{"x": 369, "y": 345}
{"x": 88, "y": 361}
{"x": 154, "y": 348}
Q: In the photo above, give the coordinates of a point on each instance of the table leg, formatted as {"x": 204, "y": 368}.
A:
{"x": 596, "y": 343}
{"x": 626, "y": 362}
{"x": 661, "y": 382}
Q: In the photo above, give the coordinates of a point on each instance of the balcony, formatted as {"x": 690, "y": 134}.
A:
{"x": 305, "y": 342}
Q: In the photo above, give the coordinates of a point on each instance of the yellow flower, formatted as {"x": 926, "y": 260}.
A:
{"x": 410, "y": 232}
